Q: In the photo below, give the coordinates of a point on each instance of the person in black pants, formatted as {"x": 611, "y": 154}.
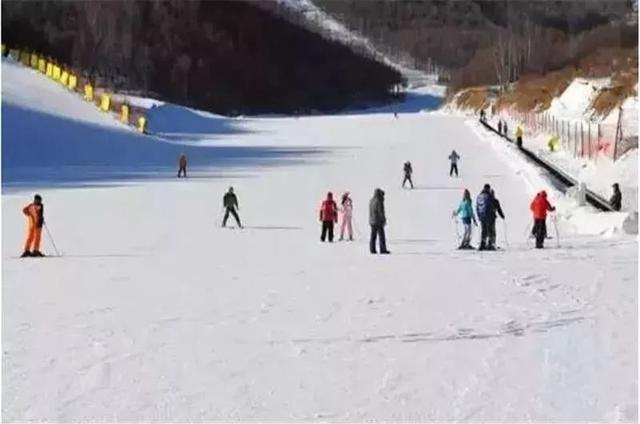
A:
{"x": 230, "y": 203}
{"x": 616, "y": 198}
{"x": 328, "y": 217}
{"x": 408, "y": 170}
{"x": 377, "y": 221}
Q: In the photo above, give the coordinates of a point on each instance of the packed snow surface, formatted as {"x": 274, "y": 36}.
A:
{"x": 155, "y": 313}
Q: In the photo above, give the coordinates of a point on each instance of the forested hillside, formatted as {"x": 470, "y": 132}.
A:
{"x": 223, "y": 56}
{"x": 490, "y": 41}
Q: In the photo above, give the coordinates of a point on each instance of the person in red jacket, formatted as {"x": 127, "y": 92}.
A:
{"x": 540, "y": 206}
{"x": 328, "y": 216}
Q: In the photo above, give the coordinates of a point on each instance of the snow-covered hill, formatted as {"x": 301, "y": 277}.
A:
{"x": 155, "y": 313}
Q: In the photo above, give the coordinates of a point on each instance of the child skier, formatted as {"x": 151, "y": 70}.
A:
{"x": 35, "y": 215}
{"x": 328, "y": 216}
{"x": 465, "y": 212}
{"x": 408, "y": 170}
{"x": 453, "y": 157}
{"x": 347, "y": 209}
{"x": 540, "y": 206}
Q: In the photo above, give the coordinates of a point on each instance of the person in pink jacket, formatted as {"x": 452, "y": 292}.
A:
{"x": 346, "y": 207}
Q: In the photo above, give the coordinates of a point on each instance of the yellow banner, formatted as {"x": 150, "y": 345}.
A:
{"x": 64, "y": 78}
{"x": 73, "y": 82}
{"x": 42, "y": 65}
{"x": 105, "y": 102}
{"x": 56, "y": 72}
{"x": 124, "y": 114}
{"x": 50, "y": 69}
{"x": 88, "y": 92}
{"x": 142, "y": 124}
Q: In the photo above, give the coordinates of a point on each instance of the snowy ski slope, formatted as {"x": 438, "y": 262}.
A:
{"x": 155, "y": 313}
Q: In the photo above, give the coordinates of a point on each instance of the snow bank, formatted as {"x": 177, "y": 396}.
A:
{"x": 575, "y": 102}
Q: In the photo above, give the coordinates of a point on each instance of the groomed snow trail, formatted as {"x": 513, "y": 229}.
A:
{"x": 157, "y": 313}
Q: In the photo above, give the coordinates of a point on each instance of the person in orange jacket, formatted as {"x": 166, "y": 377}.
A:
{"x": 540, "y": 206}
{"x": 35, "y": 214}
{"x": 182, "y": 166}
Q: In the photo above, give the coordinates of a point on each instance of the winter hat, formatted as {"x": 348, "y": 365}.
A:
{"x": 37, "y": 198}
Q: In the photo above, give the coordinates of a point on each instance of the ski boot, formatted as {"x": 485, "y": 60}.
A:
{"x": 482, "y": 246}
{"x": 25, "y": 254}
{"x": 37, "y": 254}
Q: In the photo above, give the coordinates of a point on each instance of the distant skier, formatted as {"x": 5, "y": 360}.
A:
{"x": 347, "y": 210}
{"x": 505, "y": 128}
{"x": 518, "y": 136}
{"x": 35, "y": 215}
{"x": 500, "y": 127}
{"x": 377, "y": 221}
{"x": 482, "y": 115}
{"x": 328, "y": 216}
{"x": 230, "y": 203}
{"x": 486, "y": 208}
{"x": 540, "y": 206}
{"x": 408, "y": 170}
{"x": 453, "y": 157}
{"x": 466, "y": 215}
{"x": 616, "y": 198}
{"x": 182, "y": 166}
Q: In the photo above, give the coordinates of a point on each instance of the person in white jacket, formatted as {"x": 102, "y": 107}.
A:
{"x": 346, "y": 207}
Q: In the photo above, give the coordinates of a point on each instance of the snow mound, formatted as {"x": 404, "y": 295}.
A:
{"x": 575, "y": 102}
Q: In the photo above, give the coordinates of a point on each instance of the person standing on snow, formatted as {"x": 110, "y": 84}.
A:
{"x": 408, "y": 170}
{"x": 347, "y": 209}
{"x": 616, "y": 198}
{"x": 485, "y": 208}
{"x": 497, "y": 209}
{"x": 182, "y": 165}
{"x": 328, "y": 216}
{"x": 230, "y": 203}
{"x": 466, "y": 215}
{"x": 505, "y": 128}
{"x": 519, "y": 136}
{"x": 377, "y": 221}
{"x": 35, "y": 215}
{"x": 500, "y": 126}
{"x": 540, "y": 206}
{"x": 453, "y": 157}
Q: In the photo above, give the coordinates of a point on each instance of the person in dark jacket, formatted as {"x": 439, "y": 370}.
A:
{"x": 500, "y": 127}
{"x": 408, "y": 170}
{"x": 182, "y": 166}
{"x": 230, "y": 203}
{"x": 497, "y": 211}
{"x": 616, "y": 198}
{"x": 486, "y": 210}
{"x": 377, "y": 221}
{"x": 328, "y": 217}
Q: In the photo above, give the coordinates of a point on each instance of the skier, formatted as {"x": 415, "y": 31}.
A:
{"x": 505, "y": 128}
{"x": 465, "y": 212}
{"x": 482, "y": 115}
{"x": 518, "y": 136}
{"x": 616, "y": 198}
{"x": 486, "y": 210}
{"x": 35, "y": 214}
{"x": 540, "y": 206}
{"x": 230, "y": 203}
{"x": 500, "y": 126}
{"x": 328, "y": 216}
{"x": 347, "y": 209}
{"x": 377, "y": 221}
{"x": 408, "y": 170}
{"x": 182, "y": 164}
{"x": 453, "y": 157}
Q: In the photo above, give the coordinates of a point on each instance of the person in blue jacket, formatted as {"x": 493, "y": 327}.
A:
{"x": 465, "y": 212}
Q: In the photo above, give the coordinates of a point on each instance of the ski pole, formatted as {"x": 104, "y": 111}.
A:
{"x": 554, "y": 219}
{"x": 455, "y": 224}
{"x": 53, "y": 243}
